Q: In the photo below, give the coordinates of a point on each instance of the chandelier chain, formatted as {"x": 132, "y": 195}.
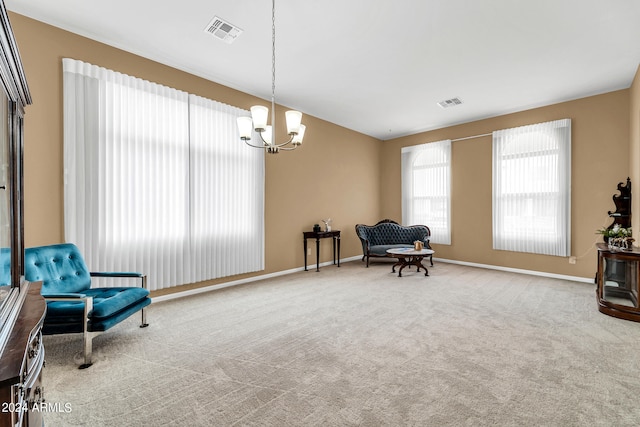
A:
{"x": 259, "y": 119}
{"x": 273, "y": 70}
{"x": 273, "y": 49}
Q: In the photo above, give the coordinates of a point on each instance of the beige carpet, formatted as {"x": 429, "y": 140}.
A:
{"x": 360, "y": 347}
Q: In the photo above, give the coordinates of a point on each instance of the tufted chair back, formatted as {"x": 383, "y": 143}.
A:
{"x": 60, "y": 267}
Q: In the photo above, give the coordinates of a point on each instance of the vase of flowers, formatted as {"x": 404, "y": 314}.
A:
{"x": 617, "y": 237}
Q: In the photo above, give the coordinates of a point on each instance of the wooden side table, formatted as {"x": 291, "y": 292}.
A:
{"x": 334, "y": 234}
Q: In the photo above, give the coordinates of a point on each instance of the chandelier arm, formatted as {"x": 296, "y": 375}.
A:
{"x": 246, "y": 141}
{"x": 284, "y": 143}
{"x": 271, "y": 145}
{"x": 265, "y": 143}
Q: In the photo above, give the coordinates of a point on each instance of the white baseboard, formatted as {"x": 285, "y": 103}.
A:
{"x": 519, "y": 270}
{"x": 243, "y": 281}
{"x": 355, "y": 258}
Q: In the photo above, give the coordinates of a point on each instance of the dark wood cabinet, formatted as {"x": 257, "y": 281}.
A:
{"x": 22, "y": 308}
{"x": 618, "y": 282}
{"x": 622, "y": 214}
{"x": 22, "y": 363}
{"x": 617, "y": 279}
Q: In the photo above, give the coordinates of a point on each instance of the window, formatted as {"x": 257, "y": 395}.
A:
{"x": 426, "y": 188}
{"x": 227, "y": 194}
{"x": 532, "y": 188}
{"x": 154, "y": 183}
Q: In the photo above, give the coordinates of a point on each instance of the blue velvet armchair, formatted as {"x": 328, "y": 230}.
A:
{"x": 72, "y": 305}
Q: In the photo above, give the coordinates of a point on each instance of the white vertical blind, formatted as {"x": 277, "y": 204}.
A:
{"x": 426, "y": 188}
{"x": 532, "y": 188}
{"x": 227, "y": 196}
{"x": 131, "y": 172}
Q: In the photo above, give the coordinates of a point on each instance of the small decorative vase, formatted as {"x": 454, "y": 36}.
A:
{"x": 629, "y": 243}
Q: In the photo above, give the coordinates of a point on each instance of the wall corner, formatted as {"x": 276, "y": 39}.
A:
{"x": 634, "y": 149}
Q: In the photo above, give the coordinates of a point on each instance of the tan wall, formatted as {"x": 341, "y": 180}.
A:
{"x": 333, "y": 175}
{"x": 600, "y": 147}
{"x": 339, "y": 173}
{"x": 634, "y": 153}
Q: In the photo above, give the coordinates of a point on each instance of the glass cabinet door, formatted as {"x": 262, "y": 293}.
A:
{"x": 5, "y": 200}
{"x": 620, "y": 282}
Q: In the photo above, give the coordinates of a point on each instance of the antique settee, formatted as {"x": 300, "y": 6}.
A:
{"x": 388, "y": 234}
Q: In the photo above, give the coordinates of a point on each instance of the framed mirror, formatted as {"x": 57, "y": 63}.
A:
{"x": 14, "y": 96}
{"x": 6, "y": 239}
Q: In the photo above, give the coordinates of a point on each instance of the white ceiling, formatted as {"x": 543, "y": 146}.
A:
{"x": 379, "y": 66}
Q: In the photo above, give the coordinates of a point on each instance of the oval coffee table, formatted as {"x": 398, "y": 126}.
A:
{"x": 409, "y": 256}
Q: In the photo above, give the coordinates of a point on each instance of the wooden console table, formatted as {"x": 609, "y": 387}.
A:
{"x": 334, "y": 234}
{"x": 618, "y": 282}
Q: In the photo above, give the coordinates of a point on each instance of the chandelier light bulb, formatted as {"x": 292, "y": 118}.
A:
{"x": 293, "y": 119}
{"x": 245, "y": 125}
{"x": 259, "y": 114}
{"x": 297, "y": 140}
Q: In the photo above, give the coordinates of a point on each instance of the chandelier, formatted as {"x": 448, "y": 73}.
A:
{"x": 259, "y": 113}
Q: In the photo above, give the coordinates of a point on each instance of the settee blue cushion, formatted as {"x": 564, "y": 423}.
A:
{"x": 381, "y": 250}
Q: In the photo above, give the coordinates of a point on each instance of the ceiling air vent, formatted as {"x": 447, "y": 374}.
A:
{"x": 450, "y": 102}
{"x": 221, "y": 29}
